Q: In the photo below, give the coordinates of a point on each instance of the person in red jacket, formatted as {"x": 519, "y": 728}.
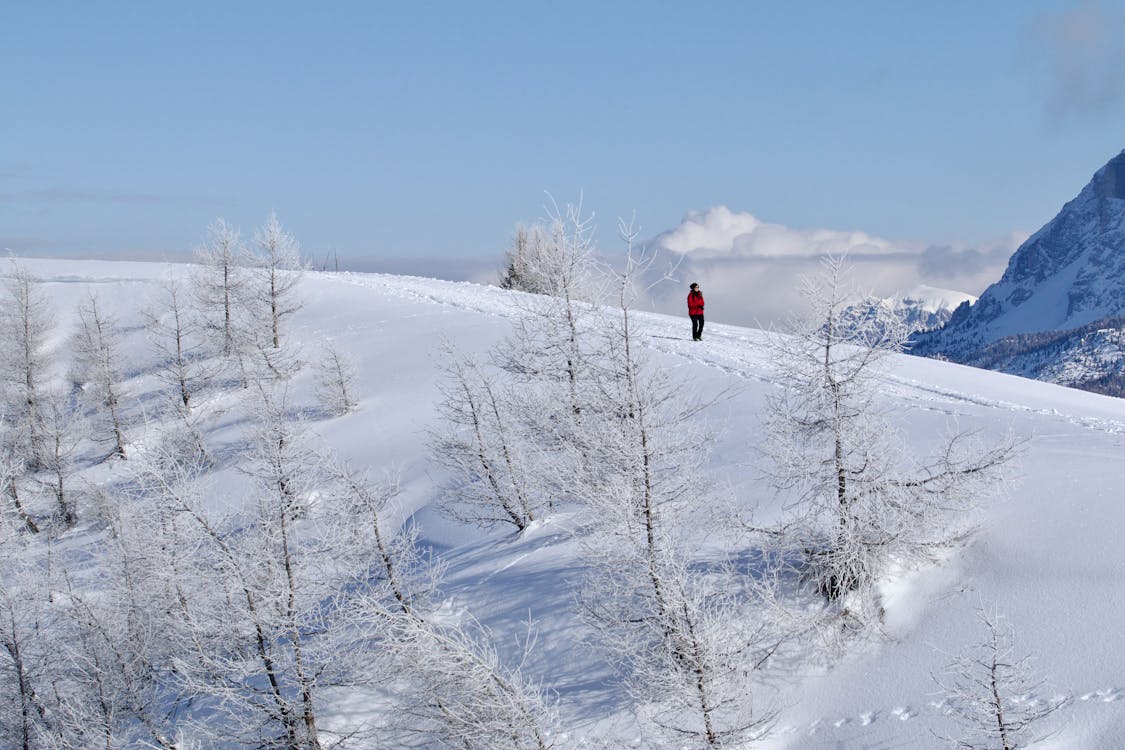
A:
{"x": 695, "y": 310}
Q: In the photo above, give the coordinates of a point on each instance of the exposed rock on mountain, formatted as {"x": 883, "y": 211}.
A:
{"x": 1056, "y": 313}
{"x": 926, "y": 308}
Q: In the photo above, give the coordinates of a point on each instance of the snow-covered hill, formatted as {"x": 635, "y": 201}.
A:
{"x": 1048, "y": 553}
{"x": 1067, "y": 275}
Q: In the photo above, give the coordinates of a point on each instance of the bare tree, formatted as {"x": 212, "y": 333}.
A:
{"x": 336, "y": 389}
{"x": 991, "y": 692}
{"x": 98, "y": 367}
{"x": 861, "y": 498}
{"x": 277, "y": 274}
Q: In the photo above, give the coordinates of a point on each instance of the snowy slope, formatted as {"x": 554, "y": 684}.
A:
{"x": 1049, "y": 554}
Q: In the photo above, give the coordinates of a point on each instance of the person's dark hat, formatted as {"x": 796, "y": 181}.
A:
{"x": 693, "y": 285}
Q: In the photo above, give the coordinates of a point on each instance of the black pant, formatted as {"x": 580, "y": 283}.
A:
{"x": 697, "y": 327}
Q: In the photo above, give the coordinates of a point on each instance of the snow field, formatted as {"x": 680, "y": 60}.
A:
{"x": 1049, "y": 554}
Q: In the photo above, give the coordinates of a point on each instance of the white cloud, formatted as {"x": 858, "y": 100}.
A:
{"x": 750, "y": 269}
{"x": 719, "y": 231}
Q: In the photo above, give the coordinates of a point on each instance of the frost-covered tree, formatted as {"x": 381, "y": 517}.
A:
{"x": 461, "y": 693}
{"x": 534, "y": 260}
{"x": 686, "y": 646}
{"x": 98, "y": 368}
{"x": 511, "y": 422}
{"x": 336, "y": 376}
{"x": 486, "y": 447}
{"x": 221, "y": 286}
{"x": 277, "y": 273}
{"x": 62, "y": 434}
{"x": 553, "y": 337}
{"x": 991, "y": 692}
{"x": 116, "y": 691}
{"x": 263, "y": 633}
{"x": 25, "y": 327}
{"x": 13, "y": 471}
{"x": 452, "y": 688}
{"x": 26, "y": 721}
{"x": 178, "y": 341}
{"x": 862, "y": 499}
{"x": 387, "y": 562}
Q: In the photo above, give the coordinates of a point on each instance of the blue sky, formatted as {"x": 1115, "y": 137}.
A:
{"x": 421, "y": 129}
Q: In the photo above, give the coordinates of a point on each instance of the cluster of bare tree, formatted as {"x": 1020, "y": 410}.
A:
{"x": 159, "y": 609}
{"x": 568, "y": 412}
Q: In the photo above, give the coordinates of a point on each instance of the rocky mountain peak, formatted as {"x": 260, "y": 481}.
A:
{"x": 1069, "y": 274}
{"x": 1109, "y": 182}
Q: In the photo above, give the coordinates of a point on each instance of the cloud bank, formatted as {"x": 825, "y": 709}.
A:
{"x": 750, "y": 268}
{"x": 720, "y": 232}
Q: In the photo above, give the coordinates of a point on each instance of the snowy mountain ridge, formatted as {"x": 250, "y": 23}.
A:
{"x": 925, "y": 308}
{"x": 1069, "y": 274}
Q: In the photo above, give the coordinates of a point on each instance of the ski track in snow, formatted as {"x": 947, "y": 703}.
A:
{"x": 735, "y": 351}
{"x": 822, "y": 728}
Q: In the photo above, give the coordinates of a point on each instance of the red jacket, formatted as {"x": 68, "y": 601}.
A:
{"x": 695, "y": 303}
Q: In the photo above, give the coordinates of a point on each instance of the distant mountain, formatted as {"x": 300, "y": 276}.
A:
{"x": 1057, "y": 312}
{"x": 926, "y": 308}
{"x": 923, "y": 308}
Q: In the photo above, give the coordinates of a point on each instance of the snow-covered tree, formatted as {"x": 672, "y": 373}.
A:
{"x": 336, "y": 376}
{"x": 993, "y": 693}
{"x": 221, "y": 286}
{"x": 13, "y": 471}
{"x": 511, "y": 422}
{"x": 386, "y": 561}
{"x": 99, "y": 366}
{"x": 487, "y": 450}
{"x": 534, "y": 260}
{"x": 461, "y": 693}
{"x": 116, "y": 691}
{"x": 26, "y": 661}
{"x": 264, "y": 639}
{"x": 277, "y": 274}
{"x": 553, "y": 337}
{"x": 862, "y": 499}
{"x": 62, "y": 434}
{"x": 686, "y": 646}
{"x": 178, "y": 342}
{"x": 25, "y": 326}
